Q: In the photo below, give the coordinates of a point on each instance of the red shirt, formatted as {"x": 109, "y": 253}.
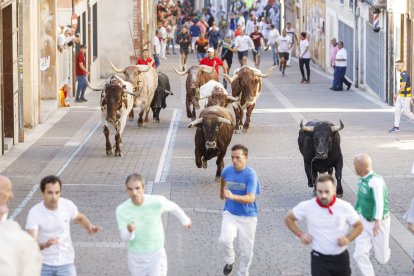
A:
{"x": 210, "y": 62}
{"x": 80, "y": 59}
{"x": 256, "y": 37}
{"x": 237, "y": 33}
{"x": 141, "y": 61}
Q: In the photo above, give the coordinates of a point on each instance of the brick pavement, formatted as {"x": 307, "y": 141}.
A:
{"x": 95, "y": 182}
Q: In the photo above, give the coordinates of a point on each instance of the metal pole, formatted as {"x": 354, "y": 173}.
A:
{"x": 89, "y": 37}
{"x": 356, "y": 43}
{"x": 73, "y": 59}
{"x": 20, "y": 69}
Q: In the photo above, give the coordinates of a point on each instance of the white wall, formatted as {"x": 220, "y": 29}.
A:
{"x": 114, "y": 39}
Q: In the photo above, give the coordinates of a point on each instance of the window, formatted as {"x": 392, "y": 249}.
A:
{"x": 351, "y": 4}
{"x": 341, "y": 1}
{"x": 95, "y": 30}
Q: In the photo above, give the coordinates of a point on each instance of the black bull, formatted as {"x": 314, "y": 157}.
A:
{"x": 320, "y": 144}
{"x": 160, "y": 96}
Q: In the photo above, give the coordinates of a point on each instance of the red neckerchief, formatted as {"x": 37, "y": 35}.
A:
{"x": 329, "y": 205}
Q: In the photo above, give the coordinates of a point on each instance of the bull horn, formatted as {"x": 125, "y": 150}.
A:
{"x": 93, "y": 88}
{"x": 337, "y": 128}
{"x": 209, "y": 71}
{"x": 265, "y": 75}
{"x": 228, "y": 78}
{"x": 195, "y": 122}
{"x": 144, "y": 70}
{"x": 117, "y": 70}
{"x": 181, "y": 73}
{"x": 231, "y": 98}
{"x": 224, "y": 121}
{"x": 306, "y": 128}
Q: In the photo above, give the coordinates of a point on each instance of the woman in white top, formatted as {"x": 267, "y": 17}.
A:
{"x": 304, "y": 57}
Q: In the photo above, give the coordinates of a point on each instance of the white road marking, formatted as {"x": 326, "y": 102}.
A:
{"x": 322, "y": 110}
{"x": 399, "y": 232}
{"x": 34, "y": 189}
{"x": 163, "y": 165}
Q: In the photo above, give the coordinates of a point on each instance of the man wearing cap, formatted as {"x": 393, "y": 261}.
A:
{"x": 372, "y": 205}
{"x": 332, "y": 225}
{"x": 211, "y": 59}
{"x": 81, "y": 73}
{"x": 340, "y": 69}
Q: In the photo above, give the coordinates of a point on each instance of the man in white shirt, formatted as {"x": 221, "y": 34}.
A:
{"x": 304, "y": 57}
{"x": 163, "y": 34}
{"x": 48, "y": 222}
{"x": 156, "y": 47}
{"x": 242, "y": 44}
{"x": 273, "y": 35}
{"x": 6, "y": 194}
{"x": 292, "y": 33}
{"x": 340, "y": 69}
{"x": 328, "y": 220}
{"x": 284, "y": 45}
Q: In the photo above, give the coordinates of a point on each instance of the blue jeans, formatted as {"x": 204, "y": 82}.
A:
{"x": 275, "y": 55}
{"x": 156, "y": 60}
{"x": 61, "y": 270}
{"x": 80, "y": 91}
{"x": 339, "y": 78}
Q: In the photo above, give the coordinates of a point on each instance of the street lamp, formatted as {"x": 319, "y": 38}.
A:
{"x": 376, "y": 24}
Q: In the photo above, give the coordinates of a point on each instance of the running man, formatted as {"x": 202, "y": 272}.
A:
{"x": 258, "y": 42}
{"x": 139, "y": 222}
{"x": 184, "y": 40}
{"x": 284, "y": 44}
{"x": 242, "y": 44}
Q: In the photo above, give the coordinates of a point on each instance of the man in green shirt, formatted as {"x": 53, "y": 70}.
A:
{"x": 139, "y": 222}
{"x": 372, "y": 205}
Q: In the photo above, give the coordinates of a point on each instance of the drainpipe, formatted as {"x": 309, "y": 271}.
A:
{"x": 20, "y": 68}
{"x": 89, "y": 37}
{"x": 390, "y": 57}
{"x": 73, "y": 57}
{"x": 356, "y": 43}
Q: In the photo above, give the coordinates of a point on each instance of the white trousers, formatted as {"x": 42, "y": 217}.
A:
{"x": 366, "y": 241}
{"x": 193, "y": 41}
{"x": 404, "y": 104}
{"x": 163, "y": 48}
{"x": 290, "y": 56}
{"x": 148, "y": 264}
{"x": 245, "y": 227}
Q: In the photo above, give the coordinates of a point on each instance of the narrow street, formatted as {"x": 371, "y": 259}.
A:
{"x": 74, "y": 148}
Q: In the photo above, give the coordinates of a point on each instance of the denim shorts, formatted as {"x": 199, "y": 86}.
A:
{"x": 201, "y": 55}
{"x": 67, "y": 270}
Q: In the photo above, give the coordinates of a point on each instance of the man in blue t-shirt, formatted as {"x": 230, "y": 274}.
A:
{"x": 239, "y": 187}
{"x": 195, "y": 32}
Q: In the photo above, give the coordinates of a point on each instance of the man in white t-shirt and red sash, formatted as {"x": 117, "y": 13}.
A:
{"x": 332, "y": 225}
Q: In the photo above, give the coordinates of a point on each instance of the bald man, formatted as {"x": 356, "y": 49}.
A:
{"x": 372, "y": 205}
{"x": 5, "y": 195}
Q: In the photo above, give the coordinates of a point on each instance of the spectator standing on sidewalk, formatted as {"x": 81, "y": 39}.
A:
{"x": 409, "y": 217}
{"x": 304, "y": 57}
{"x": 156, "y": 47}
{"x": 372, "y": 205}
{"x": 334, "y": 50}
{"x": 184, "y": 40}
{"x": 284, "y": 44}
{"x": 403, "y": 97}
{"x": 195, "y": 32}
{"x": 292, "y": 33}
{"x": 340, "y": 69}
{"x": 239, "y": 188}
{"x": 140, "y": 224}
{"x": 328, "y": 221}
{"x": 48, "y": 222}
{"x": 81, "y": 73}
{"x": 273, "y": 35}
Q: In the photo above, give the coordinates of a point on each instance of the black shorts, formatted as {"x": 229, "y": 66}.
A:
{"x": 243, "y": 54}
{"x": 184, "y": 51}
{"x": 284, "y": 55}
{"x": 215, "y": 45}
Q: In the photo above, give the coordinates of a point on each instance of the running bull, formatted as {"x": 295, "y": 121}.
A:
{"x": 116, "y": 103}
{"x": 160, "y": 97}
{"x": 214, "y": 93}
{"x": 246, "y": 85}
{"x": 144, "y": 78}
{"x": 215, "y": 128}
{"x": 320, "y": 144}
{"x": 197, "y": 75}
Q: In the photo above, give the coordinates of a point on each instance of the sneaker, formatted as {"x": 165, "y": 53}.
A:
{"x": 349, "y": 86}
{"x": 302, "y": 81}
{"x": 228, "y": 269}
{"x": 307, "y": 81}
{"x": 78, "y": 100}
{"x": 394, "y": 130}
{"x": 83, "y": 100}
{"x": 283, "y": 74}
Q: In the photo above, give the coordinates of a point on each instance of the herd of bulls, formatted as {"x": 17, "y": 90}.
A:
{"x": 142, "y": 86}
